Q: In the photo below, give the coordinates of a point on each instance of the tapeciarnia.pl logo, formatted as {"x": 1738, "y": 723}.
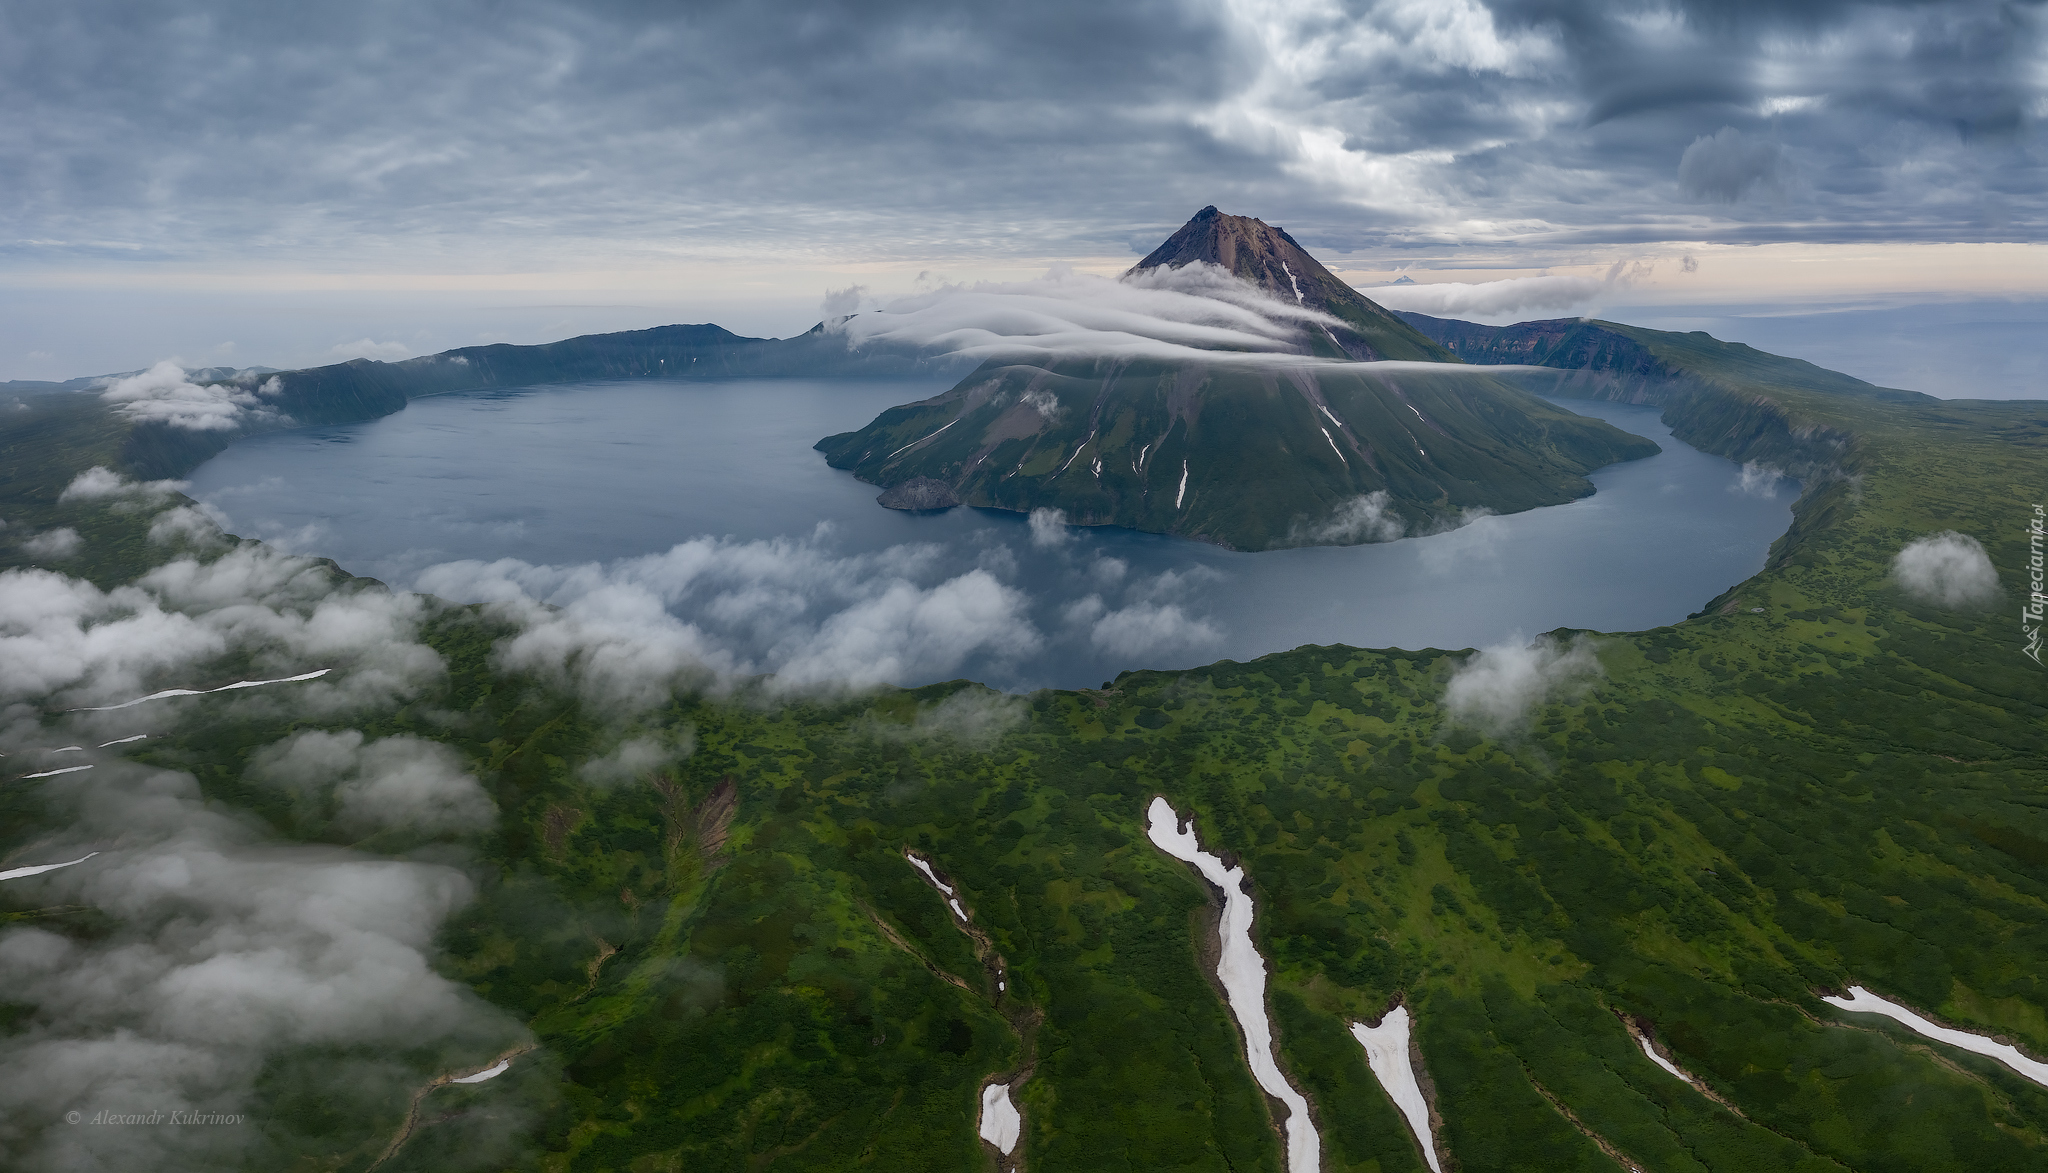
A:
{"x": 2037, "y": 570}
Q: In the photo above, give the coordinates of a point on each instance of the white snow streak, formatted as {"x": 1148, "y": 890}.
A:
{"x": 1660, "y": 1060}
{"x": 1386, "y": 1052}
{"x": 170, "y": 692}
{"x": 18, "y": 873}
{"x": 915, "y": 443}
{"x": 1862, "y": 1001}
{"x": 929, "y": 874}
{"x": 1243, "y": 974}
{"x": 486, "y": 1073}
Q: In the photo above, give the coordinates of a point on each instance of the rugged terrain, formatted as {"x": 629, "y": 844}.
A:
{"x": 726, "y": 961}
{"x": 1329, "y": 454}
{"x": 1247, "y": 453}
{"x": 1270, "y": 259}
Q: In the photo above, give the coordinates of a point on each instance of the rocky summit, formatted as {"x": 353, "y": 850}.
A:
{"x": 1267, "y": 257}
{"x": 1320, "y": 446}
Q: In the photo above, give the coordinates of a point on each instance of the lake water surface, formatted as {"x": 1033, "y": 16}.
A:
{"x": 561, "y": 476}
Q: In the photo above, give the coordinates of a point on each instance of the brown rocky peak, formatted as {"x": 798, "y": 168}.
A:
{"x": 1254, "y": 250}
{"x": 1267, "y": 257}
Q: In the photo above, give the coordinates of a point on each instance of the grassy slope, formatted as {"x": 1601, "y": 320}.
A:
{"x": 1264, "y": 465}
{"x": 1845, "y": 787}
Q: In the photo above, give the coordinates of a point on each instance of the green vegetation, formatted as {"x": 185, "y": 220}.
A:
{"x": 1747, "y": 809}
{"x": 1272, "y": 457}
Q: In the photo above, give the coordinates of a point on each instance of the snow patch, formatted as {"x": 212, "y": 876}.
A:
{"x": 1862, "y": 1001}
{"x": 18, "y": 873}
{"x": 1386, "y": 1052}
{"x": 53, "y": 774}
{"x": 1243, "y": 974}
{"x": 170, "y": 692}
{"x": 1000, "y": 1122}
{"x": 487, "y": 1073}
{"x": 1660, "y": 1060}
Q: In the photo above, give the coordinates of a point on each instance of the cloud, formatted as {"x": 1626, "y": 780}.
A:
{"x": 53, "y": 544}
{"x": 637, "y": 757}
{"x": 1049, "y": 529}
{"x": 1198, "y": 311}
{"x": 99, "y": 483}
{"x": 1947, "y": 569}
{"x": 1528, "y": 296}
{"x": 164, "y": 394}
{"x": 842, "y": 303}
{"x": 68, "y": 643}
{"x": 975, "y": 717}
{"x": 1394, "y": 126}
{"x": 1143, "y": 628}
{"x": 1472, "y": 540}
{"x": 1364, "y": 518}
{"x": 1727, "y": 165}
{"x": 224, "y": 959}
{"x": 1756, "y": 480}
{"x": 186, "y": 525}
{"x": 368, "y": 348}
{"x": 792, "y": 608}
{"x": 401, "y": 781}
{"x": 1497, "y": 688}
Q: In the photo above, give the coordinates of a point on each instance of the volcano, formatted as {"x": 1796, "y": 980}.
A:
{"x": 1267, "y": 257}
{"x": 1365, "y": 429}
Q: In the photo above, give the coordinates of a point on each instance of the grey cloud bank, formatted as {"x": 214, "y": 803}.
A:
{"x": 380, "y": 132}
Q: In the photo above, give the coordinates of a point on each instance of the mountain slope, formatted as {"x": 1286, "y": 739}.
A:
{"x": 365, "y": 389}
{"x": 1635, "y": 358}
{"x": 1270, "y": 259}
{"x": 1247, "y": 457}
{"x": 1822, "y": 782}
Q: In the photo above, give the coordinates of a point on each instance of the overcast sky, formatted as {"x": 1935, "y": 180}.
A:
{"x": 471, "y": 162}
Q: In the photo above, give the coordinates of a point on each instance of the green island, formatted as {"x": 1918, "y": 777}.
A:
{"x": 726, "y": 962}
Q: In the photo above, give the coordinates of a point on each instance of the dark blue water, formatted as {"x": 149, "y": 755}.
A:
{"x": 776, "y": 562}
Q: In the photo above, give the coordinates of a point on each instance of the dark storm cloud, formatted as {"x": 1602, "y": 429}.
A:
{"x": 536, "y": 135}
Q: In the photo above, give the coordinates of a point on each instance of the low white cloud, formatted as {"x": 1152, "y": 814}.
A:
{"x": 164, "y": 394}
{"x": 1757, "y": 480}
{"x": 99, "y": 483}
{"x": 68, "y": 643}
{"x": 974, "y": 716}
{"x": 841, "y": 303}
{"x": 223, "y": 955}
{"x": 1146, "y": 629}
{"x": 1198, "y": 311}
{"x": 1472, "y": 542}
{"x": 636, "y": 757}
{"x": 370, "y": 348}
{"x": 186, "y": 525}
{"x": 1529, "y": 296}
{"x": 1948, "y": 569}
{"x": 53, "y": 544}
{"x": 1368, "y": 517}
{"x": 1049, "y": 529}
{"x": 1497, "y": 688}
{"x": 400, "y": 781}
{"x": 813, "y": 619}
